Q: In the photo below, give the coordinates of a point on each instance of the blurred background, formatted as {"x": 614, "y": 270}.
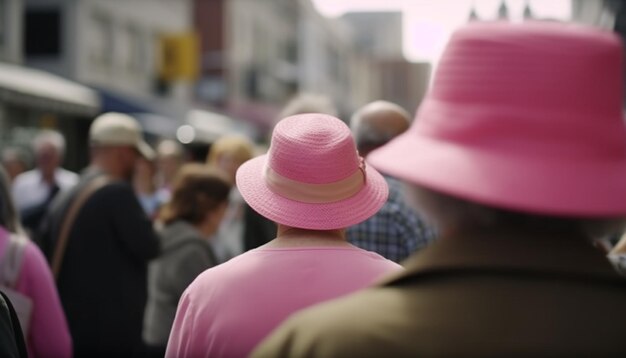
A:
{"x": 192, "y": 70}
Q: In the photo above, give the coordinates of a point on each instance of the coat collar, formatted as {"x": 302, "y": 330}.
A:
{"x": 507, "y": 251}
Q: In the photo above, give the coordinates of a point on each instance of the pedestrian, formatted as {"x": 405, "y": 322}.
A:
{"x": 313, "y": 184}
{"x": 518, "y": 154}
{"x": 15, "y": 162}
{"x": 25, "y": 276}
{"x": 242, "y": 229}
{"x": 144, "y": 184}
{"x": 170, "y": 157}
{"x": 396, "y": 230}
{"x": 199, "y": 200}
{"x": 34, "y": 190}
{"x": 99, "y": 241}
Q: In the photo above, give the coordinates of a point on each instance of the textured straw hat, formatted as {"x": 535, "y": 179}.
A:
{"x": 114, "y": 128}
{"x": 312, "y": 176}
{"x": 525, "y": 117}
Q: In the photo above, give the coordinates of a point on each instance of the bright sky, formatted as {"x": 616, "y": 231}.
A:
{"x": 429, "y": 23}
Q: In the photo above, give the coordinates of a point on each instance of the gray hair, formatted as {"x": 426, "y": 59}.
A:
{"x": 365, "y": 134}
{"x": 52, "y": 137}
{"x": 451, "y": 213}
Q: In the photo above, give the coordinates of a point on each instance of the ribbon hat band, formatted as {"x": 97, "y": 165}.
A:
{"x": 315, "y": 193}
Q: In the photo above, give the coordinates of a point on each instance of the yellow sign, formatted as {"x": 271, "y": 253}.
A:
{"x": 180, "y": 57}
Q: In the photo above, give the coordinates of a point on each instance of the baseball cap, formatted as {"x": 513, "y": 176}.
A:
{"x": 114, "y": 128}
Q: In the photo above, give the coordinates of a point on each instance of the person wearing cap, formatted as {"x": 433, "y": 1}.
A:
{"x": 313, "y": 184}
{"x": 395, "y": 231}
{"x": 99, "y": 241}
{"x": 518, "y": 154}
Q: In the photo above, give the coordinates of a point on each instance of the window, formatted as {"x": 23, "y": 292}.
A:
{"x": 3, "y": 23}
{"x": 42, "y": 32}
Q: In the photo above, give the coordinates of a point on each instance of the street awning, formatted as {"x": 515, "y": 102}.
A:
{"x": 46, "y": 91}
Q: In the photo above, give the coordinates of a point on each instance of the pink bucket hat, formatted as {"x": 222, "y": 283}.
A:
{"x": 312, "y": 176}
{"x": 525, "y": 117}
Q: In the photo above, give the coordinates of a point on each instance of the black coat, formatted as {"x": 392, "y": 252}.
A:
{"x": 103, "y": 277}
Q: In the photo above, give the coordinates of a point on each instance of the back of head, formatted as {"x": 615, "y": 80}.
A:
{"x": 114, "y": 129}
{"x": 230, "y": 151}
{"x": 15, "y": 161}
{"x": 376, "y": 123}
{"x": 515, "y": 124}
{"x": 197, "y": 189}
{"x": 309, "y": 103}
{"x": 49, "y": 139}
{"x": 312, "y": 176}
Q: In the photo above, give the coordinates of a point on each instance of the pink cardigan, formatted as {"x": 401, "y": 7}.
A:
{"x": 49, "y": 334}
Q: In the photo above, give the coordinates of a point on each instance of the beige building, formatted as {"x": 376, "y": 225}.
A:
{"x": 113, "y": 46}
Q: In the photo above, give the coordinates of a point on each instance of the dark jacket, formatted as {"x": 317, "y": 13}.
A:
{"x": 258, "y": 230}
{"x": 487, "y": 295}
{"x": 185, "y": 254}
{"x": 103, "y": 277}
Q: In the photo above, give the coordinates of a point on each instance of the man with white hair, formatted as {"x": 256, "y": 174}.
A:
{"x": 34, "y": 190}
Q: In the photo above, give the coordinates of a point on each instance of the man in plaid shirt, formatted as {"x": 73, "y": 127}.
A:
{"x": 396, "y": 230}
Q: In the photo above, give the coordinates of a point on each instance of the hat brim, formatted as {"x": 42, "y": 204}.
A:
{"x": 560, "y": 186}
{"x": 326, "y": 216}
{"x": 145, "y": 150}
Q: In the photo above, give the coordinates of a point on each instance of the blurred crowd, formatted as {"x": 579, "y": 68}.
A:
{"x": 494, "y": 222}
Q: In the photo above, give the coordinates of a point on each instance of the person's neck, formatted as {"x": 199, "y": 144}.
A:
{"x": 295, "y": 237}
{"x": 109, "y": 170}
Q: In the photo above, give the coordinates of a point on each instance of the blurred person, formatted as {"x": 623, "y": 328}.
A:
{"x": 396, "y": 230}
{"x": 518, "y": 154}
{"x": 144, "y": 184}
{"x": 46, "y": 331}
{"x": 190, "y": 218}
{"x": 313, "y": 184}
{"x": 170, "y": 157}
{"x": 15, "y": 162}
{"x": 35, "y": 189}
{"x": 242, "y": 229}
{"x": 99, "y": 241}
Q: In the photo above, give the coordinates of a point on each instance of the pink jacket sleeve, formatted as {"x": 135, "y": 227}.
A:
{"x": 49, "y": 333}
{"x": 181, "y": 342}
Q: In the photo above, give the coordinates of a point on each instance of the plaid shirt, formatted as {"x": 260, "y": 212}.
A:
{"x": 395, "y": 231}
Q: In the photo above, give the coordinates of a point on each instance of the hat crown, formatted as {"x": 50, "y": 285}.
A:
{"x": 313, "y": 148}
{"x": 542, "y": 88}
{"x": 525, "y": 117}
{"x": 115, "y": 128}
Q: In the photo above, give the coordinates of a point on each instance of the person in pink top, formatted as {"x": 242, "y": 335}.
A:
{"x": 313, "y": 184}
{"x": 47, "y": 334}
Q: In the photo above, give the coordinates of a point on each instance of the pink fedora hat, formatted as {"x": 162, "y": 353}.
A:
{"x": 525, "y": 117}
{"x": 312, "y": 176}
